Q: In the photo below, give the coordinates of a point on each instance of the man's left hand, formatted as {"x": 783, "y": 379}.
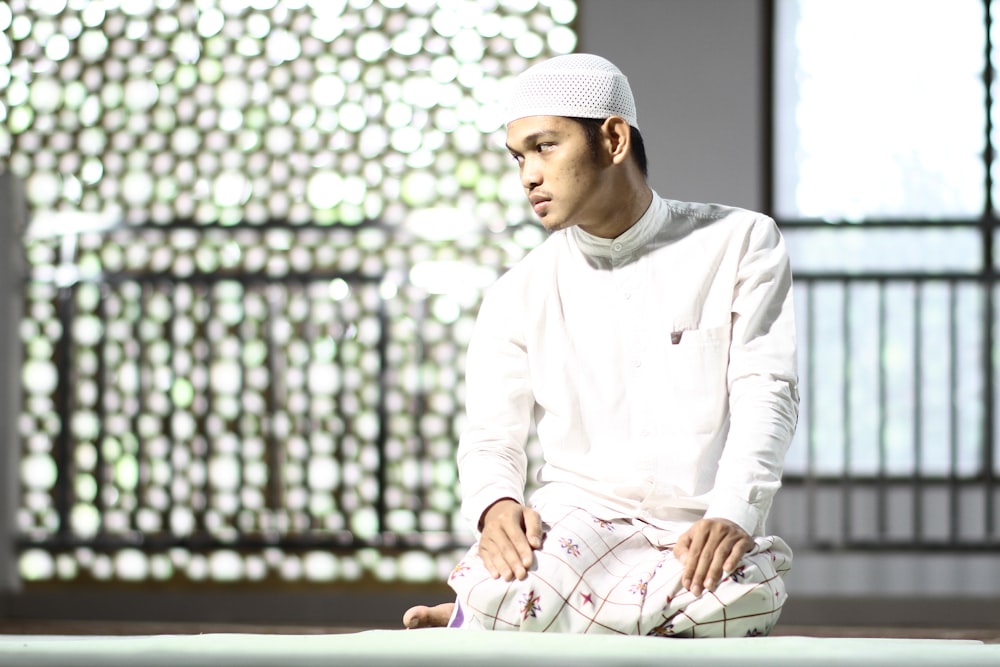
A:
{"x": 708, "y": 550}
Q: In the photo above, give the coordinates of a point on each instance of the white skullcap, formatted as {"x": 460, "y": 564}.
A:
{"x": 578, "y": 85}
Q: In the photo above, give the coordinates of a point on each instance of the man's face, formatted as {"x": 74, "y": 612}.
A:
{"x": 559, "y": 171}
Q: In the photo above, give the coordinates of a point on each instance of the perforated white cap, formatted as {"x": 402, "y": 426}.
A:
{"x": 579, "y": 85}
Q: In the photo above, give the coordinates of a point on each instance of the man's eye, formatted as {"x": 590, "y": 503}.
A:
{"x": 543, "y": 147}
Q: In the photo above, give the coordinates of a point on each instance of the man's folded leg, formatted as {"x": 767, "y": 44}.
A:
{"x": 596, "y": 575}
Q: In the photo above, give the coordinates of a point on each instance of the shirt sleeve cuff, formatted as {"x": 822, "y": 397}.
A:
{"x": 746, "y": 515}
{"x": 475, "y": 506}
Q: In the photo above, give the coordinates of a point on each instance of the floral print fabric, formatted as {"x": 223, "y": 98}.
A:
{"x": 619, "y": 576}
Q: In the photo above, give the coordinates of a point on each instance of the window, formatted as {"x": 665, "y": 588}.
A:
{"x": 883, "y": 144}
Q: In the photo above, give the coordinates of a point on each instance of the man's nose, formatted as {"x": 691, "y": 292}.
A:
{"x": 531, "y": 175}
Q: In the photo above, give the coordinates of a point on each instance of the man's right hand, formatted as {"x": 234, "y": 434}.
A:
{"x": 510, "y": 533}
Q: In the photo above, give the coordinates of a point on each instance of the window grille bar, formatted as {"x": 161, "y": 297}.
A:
{"x": 103, "y": 379}
{"x": 917, "y": 495}
{"x": 62, "y": 453}
{"x": 382, "y": 436}
{"x": 812, "y": 515}
{"x": 142, "y": 364}
{"x": 954, "y": 501}
{"x": 883, "y": 409}
{"x": 211, "y": 308}
{"x": 420, "y": 402}
{"x": 846, "y": 482}
{"x": 275, "y": 400}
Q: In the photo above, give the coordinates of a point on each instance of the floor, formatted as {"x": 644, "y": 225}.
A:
{"x": 77, "y": 628}
{"x": 186, "y": 645}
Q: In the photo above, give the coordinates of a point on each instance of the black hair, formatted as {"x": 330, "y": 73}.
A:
{"x": 592, "y": 130}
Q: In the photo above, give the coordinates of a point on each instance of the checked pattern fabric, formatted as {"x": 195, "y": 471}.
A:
{"x": 619, "y": 576}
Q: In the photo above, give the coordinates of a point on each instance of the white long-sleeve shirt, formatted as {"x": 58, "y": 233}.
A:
{"x": 659, "y": 368}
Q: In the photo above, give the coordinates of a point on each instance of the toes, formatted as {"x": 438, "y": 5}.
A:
{"x": 428, "y": 617}
{"x": 414, "y": 616}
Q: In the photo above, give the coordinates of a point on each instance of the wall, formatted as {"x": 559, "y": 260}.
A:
{"x": 699, "y": 73}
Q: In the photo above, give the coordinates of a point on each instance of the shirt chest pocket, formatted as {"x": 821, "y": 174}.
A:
{"x": 696, "y": 363}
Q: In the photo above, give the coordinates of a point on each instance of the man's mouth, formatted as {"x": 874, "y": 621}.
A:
{"x": 539, "y": 204}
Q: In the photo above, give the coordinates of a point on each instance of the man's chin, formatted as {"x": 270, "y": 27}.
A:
{"x": 552, "y": 224}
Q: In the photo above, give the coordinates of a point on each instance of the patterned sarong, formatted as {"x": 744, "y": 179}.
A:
{"x": 619, "y": 576}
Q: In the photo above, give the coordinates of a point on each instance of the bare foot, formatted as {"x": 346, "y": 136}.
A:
{"x": 428, "y": 617}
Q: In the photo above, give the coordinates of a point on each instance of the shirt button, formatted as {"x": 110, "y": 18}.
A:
{"x": 627, "y": 295}
{"x": 637, "y": 362}
{"x": 617, "y": 247}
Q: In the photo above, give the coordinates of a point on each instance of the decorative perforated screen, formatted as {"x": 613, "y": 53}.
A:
{"x": 259, "y": 235}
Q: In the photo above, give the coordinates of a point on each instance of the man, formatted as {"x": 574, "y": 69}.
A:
{"x": 653, "y": 344}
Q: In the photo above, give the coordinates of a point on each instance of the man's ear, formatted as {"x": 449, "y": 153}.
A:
{"x": 618, "y": 138}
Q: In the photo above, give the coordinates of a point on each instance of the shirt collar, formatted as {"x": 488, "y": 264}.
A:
{"x": 626, "y": 244}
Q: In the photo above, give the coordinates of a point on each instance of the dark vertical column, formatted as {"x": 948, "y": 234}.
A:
{"x": 989, "y": 285}
{"x": 13, "y": 221}
{"x": 767, "y": 115}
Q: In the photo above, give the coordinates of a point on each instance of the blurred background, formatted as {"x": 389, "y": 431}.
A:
{"x": 242, "y": 245}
